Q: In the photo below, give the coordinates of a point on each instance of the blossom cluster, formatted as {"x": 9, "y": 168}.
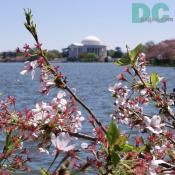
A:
{"x": 134, "y": 91}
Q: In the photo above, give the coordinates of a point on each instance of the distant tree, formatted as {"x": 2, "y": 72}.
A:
{"x": 162, "y": 53}
{"x": 4, "y": 55}
{"x": 118, "y": 52}
{"x": 111, "y": 53}
{"x": 147, "y": 45}
{"x": 52, "y": 54}
{"x": 0, "y": 56}
{"x": 89, "y": 57}
{"x": 9, "y": 54}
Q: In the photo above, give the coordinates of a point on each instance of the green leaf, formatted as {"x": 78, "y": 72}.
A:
{"x": 33, "y": 57}
{"x": 138, "y": 86}
{"x": 128, "y": 148}
{"x": 8, "y": 140}
{"x": 115, "y": 158}
{"x": 123, "y": 61}
{"x": 117, "y": 148}
{"x": 141, "y": 149}
{"x": 134, "y": 54}
{"x": 113, "y": 133}
{"x": 154, "y": 79}
{"x": 9, "y": 144}
{"x": 44, "y": 172}
{"x": 121, "y": 140}
{"x": 148, "y": 84}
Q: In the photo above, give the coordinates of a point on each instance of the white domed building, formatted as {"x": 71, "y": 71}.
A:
{"x": 90, "y": 44}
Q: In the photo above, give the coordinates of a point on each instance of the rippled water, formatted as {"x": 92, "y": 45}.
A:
{"x": 90, "y": 79}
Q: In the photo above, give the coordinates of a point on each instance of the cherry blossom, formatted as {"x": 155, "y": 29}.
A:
{"x": 60, "y": 101}
{"x": 143, "y": 92}
{"x": 40, "y": 113}
{"x": 153, "y": 165}
{"x": 77, "y": 119}
{"x": 26, "y": 47}
{"x": 61, "y": 142}
{"x": 154, "y": 124}
{"x": 38, "y": 45}
{"x": 41, "y": 107}
{"x": 43, "y": 150}
{"x": 114, "y": 88}
{"x": 84, "y": 145}
{"x": 108, "y": 148}
{"x": 29, "y": 67}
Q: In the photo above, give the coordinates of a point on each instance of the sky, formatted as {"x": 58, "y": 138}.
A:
{"x": 62, "y": 22}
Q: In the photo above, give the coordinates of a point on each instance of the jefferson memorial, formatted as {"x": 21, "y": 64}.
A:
{"x": 90, "y": 44}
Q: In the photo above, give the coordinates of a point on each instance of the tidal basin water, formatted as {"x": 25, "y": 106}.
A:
{"x": 91, "y": 81}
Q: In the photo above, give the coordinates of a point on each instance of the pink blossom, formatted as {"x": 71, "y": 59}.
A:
{"x": 11, "y": 100}
{"x": 27, "y": 54}
{"x": 26, "y": 47}
{"x": 164, "y": 82}
{"x": 18, "y": 50}
{"x": 142, "y": 57}
{"x": 38, "y": 45}
{"x": 121, "y": 77}
{"x": 126, "y": 69}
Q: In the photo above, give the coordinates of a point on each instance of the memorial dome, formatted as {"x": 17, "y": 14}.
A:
{"x": 91, "y": 40}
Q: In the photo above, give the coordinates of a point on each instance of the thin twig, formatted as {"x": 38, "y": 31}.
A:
{"x": 53, "y": 161}
{"x": 87, "y": 109}
{"x": 83, "y": 136}
{"x": 168, "y": 138}
{"x": 61, "y": 84}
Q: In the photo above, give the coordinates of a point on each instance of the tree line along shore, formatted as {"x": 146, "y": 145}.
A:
{"x": 160, "y": 54}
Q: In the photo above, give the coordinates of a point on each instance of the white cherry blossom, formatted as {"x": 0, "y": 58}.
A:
{"x": 77, "y": 120}
{"x": 40, "y": 113}
{"x": 29, "y": 67}
{"x": 61, "y": 142}
{"x": 116, "y": 86}
{"x": 60, "y": 101}
{"x": 43, "y": 150}
{"x": 154, "y": 124}
{"x": 155, "y": 164}
{"x": 84, "y": 145}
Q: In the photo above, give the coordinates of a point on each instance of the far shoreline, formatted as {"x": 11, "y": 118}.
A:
{"x": 61, "y": 61}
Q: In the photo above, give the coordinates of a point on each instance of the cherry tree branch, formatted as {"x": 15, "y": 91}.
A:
{"x": 31, "y": 27}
